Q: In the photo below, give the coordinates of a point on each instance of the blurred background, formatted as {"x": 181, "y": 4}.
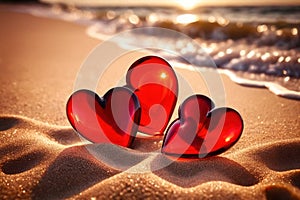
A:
{"x": 257, "y": 40}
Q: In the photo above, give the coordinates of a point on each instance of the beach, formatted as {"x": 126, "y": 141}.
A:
{"x": 42, "y": 157}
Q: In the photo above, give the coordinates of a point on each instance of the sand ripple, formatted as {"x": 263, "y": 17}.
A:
{"x": 43, "y": 161}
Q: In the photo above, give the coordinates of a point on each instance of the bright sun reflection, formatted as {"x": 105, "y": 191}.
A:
{"x": 227, "y": 139}
{"x": 188, "y": 4}
{"x": 186, "y": 18}
{"x": 163, "y": 75}
{"x": 76, "y": 118}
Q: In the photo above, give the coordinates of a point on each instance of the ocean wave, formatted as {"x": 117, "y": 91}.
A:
{"x": 258, "y": 52}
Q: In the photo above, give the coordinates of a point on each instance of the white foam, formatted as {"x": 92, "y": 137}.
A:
{"x": 273, "y": 87}
{"x": 93, "y": 32}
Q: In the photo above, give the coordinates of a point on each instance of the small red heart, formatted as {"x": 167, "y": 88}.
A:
{"x": 155, "y": 83}
{"x": 199, "y": 132}
{"x": 111, "y": 119}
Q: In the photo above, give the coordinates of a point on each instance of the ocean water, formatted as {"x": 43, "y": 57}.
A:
{"x": 254, "y": 46}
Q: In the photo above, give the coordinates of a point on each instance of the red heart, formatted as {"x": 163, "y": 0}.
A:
{"x": 111, "y": 119}
{"x": 199, "y": 132}
{"x": 155, "y": 83}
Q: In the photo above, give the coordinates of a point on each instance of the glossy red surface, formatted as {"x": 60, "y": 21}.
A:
{"x": 199, "y": 132}
{"x": 111, "y": 119}
{"x": 155, "y": 83}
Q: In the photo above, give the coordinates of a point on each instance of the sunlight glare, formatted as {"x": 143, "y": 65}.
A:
{"x": 186, "y": 18}
{"x": 227, "y": 139}
{"x": 188, "y": 5}
{"x": 163, "y": 75}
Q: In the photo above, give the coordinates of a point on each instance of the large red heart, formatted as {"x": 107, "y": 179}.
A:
{"x": 199, "y": 132}
{"x": 111, "y": 119}
{"x": 155, "y": 83}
